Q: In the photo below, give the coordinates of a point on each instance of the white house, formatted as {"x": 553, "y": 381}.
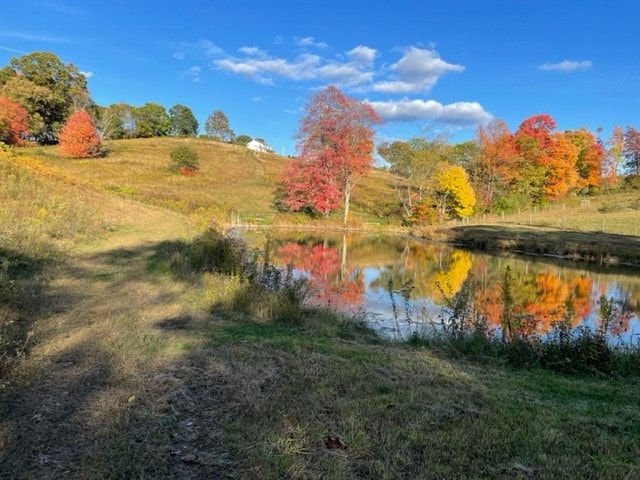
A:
{"x": 257, "y": 146}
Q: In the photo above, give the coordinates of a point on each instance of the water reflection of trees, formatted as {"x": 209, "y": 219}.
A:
{"x": 543, "y": 293}
{"x": 332, "y": 279}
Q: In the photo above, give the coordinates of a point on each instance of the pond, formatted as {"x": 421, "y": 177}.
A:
{"x": 402, "y": 285}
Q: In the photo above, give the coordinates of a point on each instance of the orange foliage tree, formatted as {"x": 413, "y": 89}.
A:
{"x": 498, "y": 161}
{"x": 550, "y": 154}
{"x": 14, "y": 122}
{"x": 560, "y": 162}
{"x": 78, "y": 138}
{"x": 590, "y": 160}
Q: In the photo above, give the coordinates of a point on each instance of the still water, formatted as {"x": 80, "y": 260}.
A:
{"x": 358, "y": 273}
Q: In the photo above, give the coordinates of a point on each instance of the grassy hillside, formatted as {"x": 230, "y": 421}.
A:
{"x": 236, "y": 181}
{"x": 116, "y": 364}
{"x": 232, "y": 180}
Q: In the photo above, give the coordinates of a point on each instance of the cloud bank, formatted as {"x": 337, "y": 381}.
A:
{"x": 461, "y": 114}
{"x": 415, "y": 72}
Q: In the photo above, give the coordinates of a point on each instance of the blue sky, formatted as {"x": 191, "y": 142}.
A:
{"x": 424, "y": 65}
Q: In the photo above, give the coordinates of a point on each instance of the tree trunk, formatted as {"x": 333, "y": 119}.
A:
{"x": 347, "y": 197}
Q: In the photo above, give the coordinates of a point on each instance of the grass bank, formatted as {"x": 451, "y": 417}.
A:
{"x": 598, "y": 248}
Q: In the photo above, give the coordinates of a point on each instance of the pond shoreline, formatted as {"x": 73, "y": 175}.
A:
{"x": 594, "y": 248}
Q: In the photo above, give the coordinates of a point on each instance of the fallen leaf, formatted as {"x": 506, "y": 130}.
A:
{"x": 189, "y": 458}
{"x": 334, "y": 442}
{"x": 131, "y": 398}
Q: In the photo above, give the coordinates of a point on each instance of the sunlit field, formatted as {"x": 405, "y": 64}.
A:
{"x": 120, "y": 360}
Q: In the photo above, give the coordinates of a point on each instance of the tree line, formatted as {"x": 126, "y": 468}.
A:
{"x": 39, "y": 93}
{"x": 507, "y": 170}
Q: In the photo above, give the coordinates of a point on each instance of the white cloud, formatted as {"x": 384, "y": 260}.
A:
{"x": 265, "y": 69}
{"x": 36, "y": 37}
{"x": 362, "y": 55}
{"x": 193, "y": 74}
{"x": 310, "y": 42}
{"x": 87, "y": 75}
{"x": 417, "y": 71}
{"x": 567, "y": 66}
{"x": 459, "y": 114}
{"x": 344, "y": 75}
{"x": 209, "y": 48}
{"x": 252, "y": 51}
{"x": 201, "y": 47}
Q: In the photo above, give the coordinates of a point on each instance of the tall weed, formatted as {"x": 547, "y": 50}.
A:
{"x": 580, "y": 350}
{"x": 264, "y": 292}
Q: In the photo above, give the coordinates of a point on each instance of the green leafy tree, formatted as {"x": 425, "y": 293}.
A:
{"x": 66, "y": 90}
{"x": 401, "y": 158}
{"x": 242, "y": 139}
{"x": 151, "y": 120}
{"x": 217, "y": 127}
{"x": 414, "y": 163}
{"x": 184, "y": 159}
{"x": 182, "y": 121}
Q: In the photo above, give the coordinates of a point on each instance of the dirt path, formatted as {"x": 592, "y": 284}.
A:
{"x": 99, "y": 391}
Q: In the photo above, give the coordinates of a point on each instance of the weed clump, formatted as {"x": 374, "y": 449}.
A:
{"x": 565, "y": 349}
{"x": 263, "y": 291}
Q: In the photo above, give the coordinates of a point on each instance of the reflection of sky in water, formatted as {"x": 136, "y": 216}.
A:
{"x": 380, "y": 309}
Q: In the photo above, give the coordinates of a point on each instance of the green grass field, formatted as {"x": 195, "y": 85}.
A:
{"x": 114, "y": 367}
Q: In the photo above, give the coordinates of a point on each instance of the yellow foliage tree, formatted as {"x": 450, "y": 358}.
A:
{"x": 454, "y": 193}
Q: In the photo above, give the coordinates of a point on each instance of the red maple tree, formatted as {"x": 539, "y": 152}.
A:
{"x": 335, "y": 150}
{"x": 14, "y": 122}
{"x": 78, "y": 138}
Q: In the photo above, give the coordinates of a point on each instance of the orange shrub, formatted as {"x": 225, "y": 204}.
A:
{"x": 78, "y": 137}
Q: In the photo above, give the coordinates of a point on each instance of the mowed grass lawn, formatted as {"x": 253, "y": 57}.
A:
{"x": 114, "y": 367}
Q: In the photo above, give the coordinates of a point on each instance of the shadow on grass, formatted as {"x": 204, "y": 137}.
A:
{"x": 102, "y": 398}
{"x": 22, "y": 280}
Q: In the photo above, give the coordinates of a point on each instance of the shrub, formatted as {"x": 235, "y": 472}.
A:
{"x": 78, "y": 137}
{"x": 185, "y": 160}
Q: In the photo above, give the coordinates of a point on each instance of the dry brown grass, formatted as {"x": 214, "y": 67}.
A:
{"x": 233, "y": 183}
